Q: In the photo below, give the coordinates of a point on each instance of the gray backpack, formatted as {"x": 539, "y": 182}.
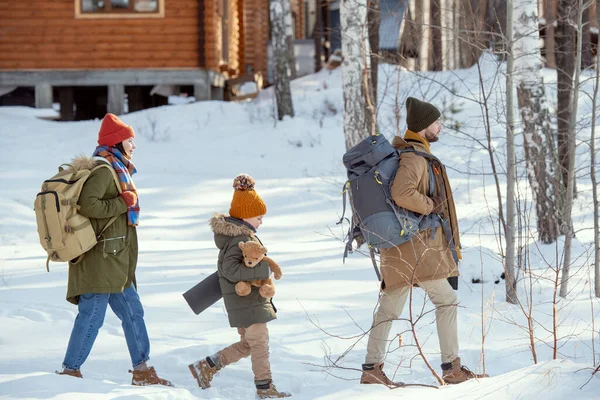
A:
{"x": 371, "y": 166}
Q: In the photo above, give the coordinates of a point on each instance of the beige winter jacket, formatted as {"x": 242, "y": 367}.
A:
{"x": 423, "y": 258}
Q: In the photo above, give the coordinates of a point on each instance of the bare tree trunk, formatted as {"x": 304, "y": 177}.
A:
{"x": 358, "y": 111}
{"x": 509, "y": 262}
{"x": 436, "y": 36}
{"x": 422, "y": 11}
{"x": 321, "y": 34}
{"x": 550, "y": 37}
{"x": 449, "y": 35}
{"x": 565, "y": 65}
{"x": 496, "y": 21}
{"x": 280, "y": 57}
{"x": 374, "y": 19}
{"x": 290, "y": 38}
{"x": 593, "y": 170}
{"x": 586, "y": 38}
{"x": 564, "y": 284}
{"x": 535, "y": 117}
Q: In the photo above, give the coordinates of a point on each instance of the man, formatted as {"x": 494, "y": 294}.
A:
{"x": 429, "y": 260}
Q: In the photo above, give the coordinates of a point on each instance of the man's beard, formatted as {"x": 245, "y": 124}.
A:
{"x": 432, "y": 137}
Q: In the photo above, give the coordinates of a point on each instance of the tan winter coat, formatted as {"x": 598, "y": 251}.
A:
{"x": 423, "y": 258}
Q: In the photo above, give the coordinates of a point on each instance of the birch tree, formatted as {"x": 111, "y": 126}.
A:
{"x": 535, "y": 118}
{"x": 359, "y": 113}
{"x": 509, "y": 262}
{"x": 568, "y": 207}
{"x": 283, "y": 93}
{"x": 374, "y": 20}
{"x": 290, "y": 39}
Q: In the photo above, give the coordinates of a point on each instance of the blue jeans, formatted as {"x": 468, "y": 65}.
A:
{"x": 92, "y": 309}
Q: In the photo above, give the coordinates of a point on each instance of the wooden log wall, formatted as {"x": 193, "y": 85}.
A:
{"x": 43, "y": 34}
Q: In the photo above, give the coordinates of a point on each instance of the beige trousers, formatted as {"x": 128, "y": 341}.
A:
{"x": 390, "y": 307}
{"x": 254, "y": 342}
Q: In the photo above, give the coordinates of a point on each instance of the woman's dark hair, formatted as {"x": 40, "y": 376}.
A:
{"x": 119, "y": 146}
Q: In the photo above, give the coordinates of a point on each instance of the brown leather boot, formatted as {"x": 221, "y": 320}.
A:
{"x": 270, "y": 392}
{"x": 148, "y": 377}
{"x": 203, "y": 372}
{"x": 458, "y": 373}
{"x": 373, "y": 374}
{"x": 71, "y": 372}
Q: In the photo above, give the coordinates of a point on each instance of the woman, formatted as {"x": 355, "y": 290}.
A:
{"x": 106, "y": 274}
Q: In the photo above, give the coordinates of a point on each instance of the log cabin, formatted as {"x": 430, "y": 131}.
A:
{"x": 94, "y": 56}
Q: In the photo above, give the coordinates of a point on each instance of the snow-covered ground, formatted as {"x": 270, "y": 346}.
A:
{"x": 187, "y": 157}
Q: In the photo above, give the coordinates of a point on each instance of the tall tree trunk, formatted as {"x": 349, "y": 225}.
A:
{"x": 436, "y": 36}
{"x": 374, "y": 20}
{"x": 586, "y": 39}
{"x": 290, "y": 39}
{"x": 422, "y": 19}
{"x": 410, "y": 36}
{"x": 359, "y": 118}
{"x": 449, "y": 35}
{"x": 565, "y": 64}
{"x": 321, "y": 34}
{"x": 593, "y": 170}
{"x": 280, "y": 57}
{"x": 550, "y": 37}
{"x": 509, "y": 262}
{"x": 564, "y": 283}
{"x": 535, "y": 118}
{"x": 496, "y": 22}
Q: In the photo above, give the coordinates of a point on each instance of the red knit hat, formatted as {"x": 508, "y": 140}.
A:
{"x": 113, "y": 131}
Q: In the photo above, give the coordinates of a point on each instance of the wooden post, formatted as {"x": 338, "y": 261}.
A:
{"x": 202, "y": 90}
{"x": 216, "y": 93}
{"x": 135, "y": 100}
{"x": 43, "y": 95}
{"x": 116, "y": 99}
{"x": 67, "y": 100}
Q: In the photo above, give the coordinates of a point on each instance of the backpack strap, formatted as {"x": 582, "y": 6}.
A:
{"x": 105, "y": 164}
{"x": 372, "y": 253}
{"x": 344, "y": 191}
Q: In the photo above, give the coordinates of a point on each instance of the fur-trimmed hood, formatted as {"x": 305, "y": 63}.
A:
{"x": 82, "y": 162}
{"x": 222, "y": 224}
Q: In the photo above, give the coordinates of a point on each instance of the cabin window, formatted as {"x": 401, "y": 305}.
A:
{"x": 119, "y": 8}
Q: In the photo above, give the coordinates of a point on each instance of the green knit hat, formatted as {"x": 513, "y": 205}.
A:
{"x": 419, "y": 114}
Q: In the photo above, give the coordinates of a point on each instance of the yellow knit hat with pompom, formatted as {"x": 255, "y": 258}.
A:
{"x": 246, "y": 203}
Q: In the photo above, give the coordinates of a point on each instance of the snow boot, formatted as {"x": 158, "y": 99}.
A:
{"x": 71, "y": 372}
{"x": 148, "y": 377}
{"x": 373, "y": 374}
{"x": 204, "y": 371}
{"x": 269, "y": 391}
{"x": 454, "y": 373}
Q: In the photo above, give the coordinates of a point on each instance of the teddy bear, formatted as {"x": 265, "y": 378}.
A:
{"x": 254, "y": 253}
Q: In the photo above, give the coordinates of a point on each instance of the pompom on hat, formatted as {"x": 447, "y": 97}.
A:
{"x": 246, "y": 203}
{"x": 113, "y": 131}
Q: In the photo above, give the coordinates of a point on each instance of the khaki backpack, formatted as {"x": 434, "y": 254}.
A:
{"x": 65, "y": 234}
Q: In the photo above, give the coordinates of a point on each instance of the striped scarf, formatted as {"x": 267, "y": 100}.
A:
{"x": 124, "y": 169}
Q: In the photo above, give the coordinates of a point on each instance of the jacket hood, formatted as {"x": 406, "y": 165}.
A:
{"x": 82, "y": 162}
{"x": 225, "y": 229}
{"x": 400, "y": 143}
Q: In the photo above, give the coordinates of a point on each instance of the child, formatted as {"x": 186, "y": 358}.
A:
{"x": 249, "y": 314}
